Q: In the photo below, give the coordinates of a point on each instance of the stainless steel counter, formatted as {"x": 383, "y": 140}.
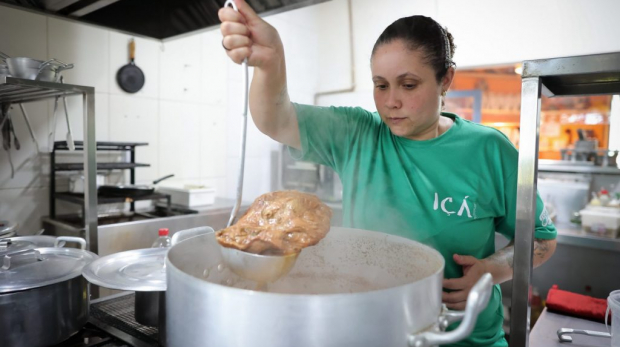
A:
{"x": 119, "y": 237}
{"x": 570, "y": 167}
{"x": 571, "y": 234}
{"x": 544, "y": 333}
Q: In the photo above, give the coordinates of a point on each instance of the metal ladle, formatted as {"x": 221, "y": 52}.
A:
{"x": 260, "y": 268}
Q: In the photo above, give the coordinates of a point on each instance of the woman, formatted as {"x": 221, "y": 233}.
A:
{"x": 408, "y": 169}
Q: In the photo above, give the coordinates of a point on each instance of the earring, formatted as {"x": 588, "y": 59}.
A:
{"x": 444, "y": 93}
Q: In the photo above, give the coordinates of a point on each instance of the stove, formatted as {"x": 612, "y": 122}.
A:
{"x": 112, "y": 324}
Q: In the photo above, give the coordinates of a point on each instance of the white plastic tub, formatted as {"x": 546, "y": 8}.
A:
{"x": 189, "y": 195}
{"x": 601, "y": 223}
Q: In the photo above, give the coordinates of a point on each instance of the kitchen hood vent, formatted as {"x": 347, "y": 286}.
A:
{"x": 160, "y": 19}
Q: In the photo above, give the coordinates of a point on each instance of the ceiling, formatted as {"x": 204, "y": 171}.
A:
{"x": 160, "y": 19}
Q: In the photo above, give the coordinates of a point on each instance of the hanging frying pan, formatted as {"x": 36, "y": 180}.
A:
{"x": 130, "y": 77}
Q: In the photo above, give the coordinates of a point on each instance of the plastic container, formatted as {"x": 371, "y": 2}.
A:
{"x": 189, "y": 195}
{"x": 604, "y": 223}
{"x": 163, "y": 241}
{"x": 613, "y": 307}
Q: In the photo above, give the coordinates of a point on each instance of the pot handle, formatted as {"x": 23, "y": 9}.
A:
{"x": 6, "y": 262}
{"x": 477, "y": 300}
{"x": 59, "y": 66}
{"x": 79, "y": 240}
{"x": 187, "y": 233}
{"x": 563, "y": 334}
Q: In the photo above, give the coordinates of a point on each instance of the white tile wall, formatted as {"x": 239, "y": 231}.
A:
{"x": 85, "y": 46}
{"x": 136, "y": 119}
{"x": 180, "y": 70}
{"x": 24, "y": 205}
{"x": 32, "y": 38}
{"x": 213, "y": 141}
{"x": 30, "y": 168}
{"x": 179, "y": 139}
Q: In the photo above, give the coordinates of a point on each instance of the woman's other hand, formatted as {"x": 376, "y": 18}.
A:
{"x": 473, "y": 269}
{"x": 246, "y": 35}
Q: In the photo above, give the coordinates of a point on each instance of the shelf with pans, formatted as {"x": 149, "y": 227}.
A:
{"x": 19, "y": 90}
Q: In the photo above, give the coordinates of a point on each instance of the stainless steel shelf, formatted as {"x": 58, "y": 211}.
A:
{"x": 100, "y": 166}
{"x": 18, "y": 90}
{"x": 578, "y": 169}
{"x": 101, "y": 145}
{"x": 580, "y": 75}
{"x": 78, "y": 198}
{"x": 571, "y": 234}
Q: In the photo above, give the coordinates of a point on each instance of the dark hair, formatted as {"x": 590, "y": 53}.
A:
{"x": 420, "y": 32}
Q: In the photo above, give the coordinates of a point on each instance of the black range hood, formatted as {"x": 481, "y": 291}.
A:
{"x": 160, "y": 19}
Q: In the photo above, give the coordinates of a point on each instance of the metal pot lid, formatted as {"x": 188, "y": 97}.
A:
{"x": 38, "y": 267}
{"x": 18, "y": 243}
{"x": 6, "y": 227}
{"x": 138, "y": 270}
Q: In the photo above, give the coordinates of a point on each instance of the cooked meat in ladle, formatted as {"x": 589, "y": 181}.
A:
{"x": 279, "y": 223}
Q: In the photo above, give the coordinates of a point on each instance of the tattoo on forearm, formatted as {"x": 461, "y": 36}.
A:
{"x": 541, "y": 248}
{"x": 504, "y": 256}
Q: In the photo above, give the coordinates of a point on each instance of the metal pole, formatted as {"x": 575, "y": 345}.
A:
{"x": 526, "y": 211}
{"x": 90, "y": 171}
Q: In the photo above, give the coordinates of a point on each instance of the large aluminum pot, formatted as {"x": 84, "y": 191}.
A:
{"x": 355, "y": 288}
{"x": 43, "y": 296}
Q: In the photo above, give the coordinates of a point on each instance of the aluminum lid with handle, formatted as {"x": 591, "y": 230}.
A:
{"x": 18, "y": 243}
{"x": 141, "y": 270}
{"x": 32, "y": 268}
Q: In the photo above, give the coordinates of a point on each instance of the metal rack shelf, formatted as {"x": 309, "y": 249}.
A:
{"x": 566, "y": 76}
{"x": 78, "y": 198}
{"x": 130, "y": 165}
{"x": 100, "y": 166}
{"x": 101, "y": 145}
{"x": 581, "y": 75}
{"x": 19, "y": 90}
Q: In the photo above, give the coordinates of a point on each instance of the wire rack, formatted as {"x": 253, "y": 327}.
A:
{"x": 19, "y": 90}
{"x": 119, "y": 313}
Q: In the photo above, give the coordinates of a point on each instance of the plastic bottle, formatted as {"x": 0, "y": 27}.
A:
{"x": 163, "y": 240}
{"x": 604, "y": 197}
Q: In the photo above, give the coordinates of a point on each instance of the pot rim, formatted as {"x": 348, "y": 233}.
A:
{"x": 84, "y": 255}
{"x": 171, "y": 267}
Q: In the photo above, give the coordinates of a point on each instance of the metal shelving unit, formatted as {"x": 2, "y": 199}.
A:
{"x": 100, "y": 166}
{"x": 78, "y": 198}
{"x": 569, "y": 76}
{"x": 18, "y": 90}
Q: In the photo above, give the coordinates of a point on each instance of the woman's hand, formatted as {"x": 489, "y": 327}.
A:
{"x": 246, "y": 35}
{"x": 499, "y": 265}
{"x": 473, "y": 269}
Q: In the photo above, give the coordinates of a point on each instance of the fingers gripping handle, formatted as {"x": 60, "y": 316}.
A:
{"x": 477, "y": 300}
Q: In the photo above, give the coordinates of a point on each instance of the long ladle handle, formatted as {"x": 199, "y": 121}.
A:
{"x": 233, "y": 213}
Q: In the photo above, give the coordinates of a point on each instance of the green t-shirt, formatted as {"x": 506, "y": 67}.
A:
{"x": 451, "y": 192}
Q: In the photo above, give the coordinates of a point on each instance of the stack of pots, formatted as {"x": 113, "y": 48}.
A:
{"x": 43, "y": 297}
{"x": 33, "y": 69}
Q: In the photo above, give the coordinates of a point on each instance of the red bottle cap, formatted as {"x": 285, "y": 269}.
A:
{"x": 604, "y": 191}
{"x": 163, "y": 232}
